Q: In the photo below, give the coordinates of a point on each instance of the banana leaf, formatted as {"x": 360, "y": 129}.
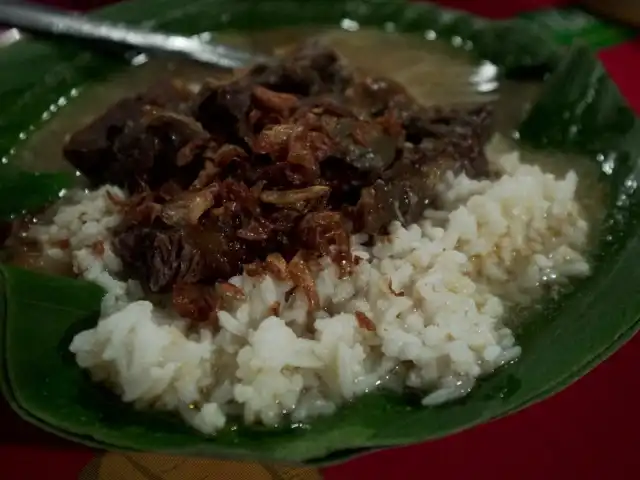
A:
{"x": 579, "y": 111}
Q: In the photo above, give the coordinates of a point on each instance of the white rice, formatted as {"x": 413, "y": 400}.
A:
{"x": 494, "y": 245}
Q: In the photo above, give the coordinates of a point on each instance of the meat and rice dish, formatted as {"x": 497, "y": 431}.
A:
{"x": 277, "y": 244}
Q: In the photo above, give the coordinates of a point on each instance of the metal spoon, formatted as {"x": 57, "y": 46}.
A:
{"x": 32, "y": 18}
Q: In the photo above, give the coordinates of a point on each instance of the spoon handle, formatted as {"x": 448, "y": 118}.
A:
{"x": 51, "y": 21}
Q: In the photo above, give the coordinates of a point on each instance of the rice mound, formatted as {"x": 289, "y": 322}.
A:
{"x": 425, "y": 307}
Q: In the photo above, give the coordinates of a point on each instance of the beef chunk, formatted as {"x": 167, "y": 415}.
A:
{"x": 224, "y": 109}
{"x": 451, "y": 132}
{"x": 159, "y": 258}
{"x": 312, "y": 69}
{"x": 135, "y": 142}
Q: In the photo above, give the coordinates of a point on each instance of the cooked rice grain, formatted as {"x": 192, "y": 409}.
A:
{"x": 425, "y": 308}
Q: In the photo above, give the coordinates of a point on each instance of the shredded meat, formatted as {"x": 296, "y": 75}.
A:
{"x": 269, "y": 171}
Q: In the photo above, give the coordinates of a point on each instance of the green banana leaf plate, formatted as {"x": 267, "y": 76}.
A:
{"x": 579, "y": 110}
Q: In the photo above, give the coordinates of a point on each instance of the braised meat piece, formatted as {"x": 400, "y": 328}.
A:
{"x": 269, "y": 171}
{"x": 159, "y": 257}
{"x": 311, "y": 69}
{"x": 223, "y": 109}
{"x": 134, "y": 143}
{"x": 450, "y": 132}
{"x": 364, "y": 144}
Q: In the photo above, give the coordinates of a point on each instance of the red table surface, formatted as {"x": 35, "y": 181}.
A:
{"x": 591, "y": 430}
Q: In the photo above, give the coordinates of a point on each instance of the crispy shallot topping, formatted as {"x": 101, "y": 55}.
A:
{"x": 267, "y": 171}
{"x": 365, "y": 322}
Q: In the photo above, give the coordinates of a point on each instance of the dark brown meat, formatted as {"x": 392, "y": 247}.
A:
{"x": 451, "y": 132}
{"x": 312, "y": 69}
{"x": 269, "y": 171}
{"x": 152, "y": 145}
{"x": 223, "y": 109}
{"x": 123, "y": 145}
{"x": 91, "y": 149}
{"x": 159, "y": 258}
{"x": 364, "y": 144}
